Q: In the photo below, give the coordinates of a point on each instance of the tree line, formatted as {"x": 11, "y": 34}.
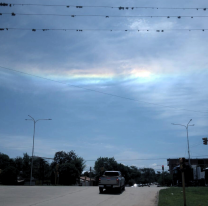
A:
{"x": 67, "y": 167}
{"x": 132, "y": 174}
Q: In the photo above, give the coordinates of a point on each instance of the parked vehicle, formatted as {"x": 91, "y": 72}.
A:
{"x": 112, "y": 180}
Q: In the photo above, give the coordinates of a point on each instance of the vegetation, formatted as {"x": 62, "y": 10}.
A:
{"x": 67, "y": 168}
{"x": 132, "y": 174}
{"x": 164, "y": 179}
{"x": 9, "y": 176}
{"x": 195, "y": 196}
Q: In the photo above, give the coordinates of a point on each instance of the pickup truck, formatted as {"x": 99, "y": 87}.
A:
{"x": 112, "y": 180}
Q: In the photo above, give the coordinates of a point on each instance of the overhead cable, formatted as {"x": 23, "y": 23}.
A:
{"x": 130, "y": 159}
{"x": 105, "y": 93}
{"x": 97, "y": 15}
{"x": 111, "y": 7}
{"x": 108, "y": 30}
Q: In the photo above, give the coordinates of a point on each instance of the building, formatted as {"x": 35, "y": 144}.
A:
{"x": 203, "y": 163}
{"x": 85, "y": 181}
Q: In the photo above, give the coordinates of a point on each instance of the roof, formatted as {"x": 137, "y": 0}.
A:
{"x": 85, "y": 178}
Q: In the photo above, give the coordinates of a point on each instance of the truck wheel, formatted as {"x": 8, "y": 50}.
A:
{"x": 124, "y": 187}
{"x": 120, "y": 189}
{"x": 101, "y": 190}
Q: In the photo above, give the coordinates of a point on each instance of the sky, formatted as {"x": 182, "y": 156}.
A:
{"x": 109, "y": 93}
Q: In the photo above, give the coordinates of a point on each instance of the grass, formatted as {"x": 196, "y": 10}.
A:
{"x": 195, "y": 196}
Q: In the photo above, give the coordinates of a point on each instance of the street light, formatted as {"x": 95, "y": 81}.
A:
{"x": 186, "y": 126}
{"x": 32, "y": 119}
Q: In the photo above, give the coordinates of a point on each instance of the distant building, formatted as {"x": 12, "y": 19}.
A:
{"x": 85, "y": 181}
{"x": 175, "y": 162}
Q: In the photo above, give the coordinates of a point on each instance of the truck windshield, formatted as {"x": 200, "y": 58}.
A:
{"x": 111, "y": 174}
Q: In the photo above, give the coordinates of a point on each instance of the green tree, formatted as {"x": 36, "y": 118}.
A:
{"x": 40, "y": 169}
{"x": 135, "y": 174}
{"x": 18, "y": 161}
{"x": 69, "y": 169}
{"x": 103, "y": 164}
{"x": 157, "y": 176}
{"x": 165, "y": 179}
{"x": 147, "y": 175}
{"x": 9, "y": 176}
{"x": 8, "y": 171}
{"x": 26, "y": 166}
{"x": 68, "y": 174}
{"x": 4, "y": 161}
{"x": 87, "y": 174}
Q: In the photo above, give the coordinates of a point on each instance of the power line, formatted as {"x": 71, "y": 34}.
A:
{"x": 131, "y": 159}
{"x": 105, "y": 93}
{"x": 112, "y": 7}
{"x": 97, "y": 15}
{"x": 108, "y": 30}
{"x": 116, "y": 160}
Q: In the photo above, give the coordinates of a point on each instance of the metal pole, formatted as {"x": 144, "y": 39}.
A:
{"x": 32, "y": 154}
{"x": 186, "y": 126}
{"x": 188, "y": 146}
{"x": 90, "y": 176}
{"x": 182, "y": 167}
{"x": 184, "y": 191}
{"x": 33, "y": 144}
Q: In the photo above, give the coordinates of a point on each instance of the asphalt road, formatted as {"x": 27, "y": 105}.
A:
{"x": 76, "y": 196}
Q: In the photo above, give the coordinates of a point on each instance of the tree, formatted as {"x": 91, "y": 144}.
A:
{"x": 157, "y": 176}
{"x": 69, "y": 169}
{"x": 26, "y": 166}
{"x": 8, "y": 171}
{"x": 18, "y": 161}
{"x": 103, "y": 164}
{"x": 68, "y": 174}
{"x": 147, "y": 175}
{"x": 87, "y": 174}
{"x": 4, "y": 161}
{"x": 165, "y": 179}
{"x": 40, "y": 169}
{"x": 9, "y": 176}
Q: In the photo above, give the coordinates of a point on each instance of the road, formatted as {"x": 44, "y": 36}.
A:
{"x": 76, "y": 196}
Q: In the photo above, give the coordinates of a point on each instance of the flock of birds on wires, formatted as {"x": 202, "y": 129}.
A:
{"x": 105, "y": 16}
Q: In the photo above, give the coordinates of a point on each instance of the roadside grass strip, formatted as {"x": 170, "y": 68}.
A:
{"x": 195, "y": 196}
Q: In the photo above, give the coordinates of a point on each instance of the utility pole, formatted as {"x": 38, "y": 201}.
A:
{"x": 90, "y": 176}
{"x": 182, "y": 166}
{"x": 186, "y": 126}
{"x": 32, "y": 119}
{"x": 163, "y": 175}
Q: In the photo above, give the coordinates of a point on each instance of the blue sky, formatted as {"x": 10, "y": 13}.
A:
{"x": 162, "y": 74}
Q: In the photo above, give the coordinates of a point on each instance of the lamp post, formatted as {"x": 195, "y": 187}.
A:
{"x": 186, "y": 126}
{"x": 32, "y": 119}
